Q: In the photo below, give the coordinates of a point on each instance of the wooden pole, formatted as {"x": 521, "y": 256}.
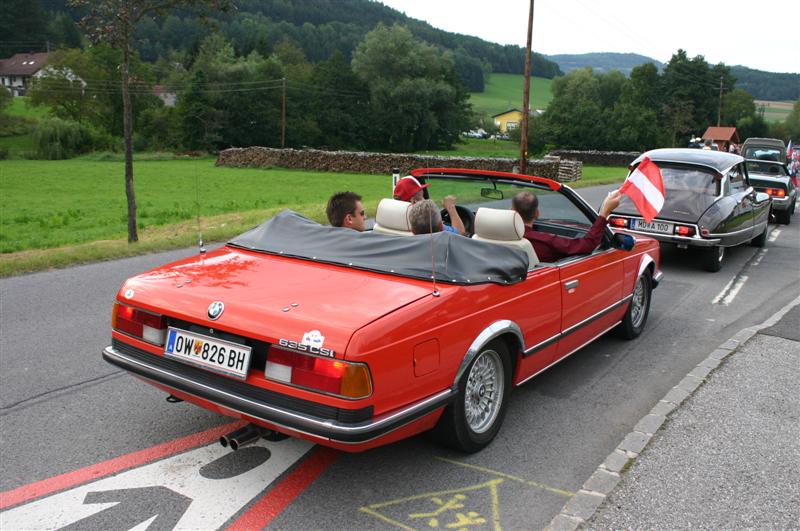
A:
{"x": 523, "y": 137}
{"x": 283, "y": 116}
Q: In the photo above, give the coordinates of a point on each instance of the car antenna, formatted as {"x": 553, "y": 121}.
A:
{"x": 435, "y": 292}
{"x": 197, "y": 204}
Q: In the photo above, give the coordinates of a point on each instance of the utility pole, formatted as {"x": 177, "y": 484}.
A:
{"x": 283, "y": 115}
{"x": 719, "y": 113}
{"x": 523, "y": 137}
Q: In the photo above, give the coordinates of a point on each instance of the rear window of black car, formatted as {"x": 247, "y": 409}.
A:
{"x": 690, "y": 178}
{"x": 762, "y": 153}
{"x": 766, "y": 168}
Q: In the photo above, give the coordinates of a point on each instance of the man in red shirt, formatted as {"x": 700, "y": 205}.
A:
{"x": 549, "y": 247}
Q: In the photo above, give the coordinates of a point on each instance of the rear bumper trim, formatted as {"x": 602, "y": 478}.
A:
{"x": 352, "y": 433}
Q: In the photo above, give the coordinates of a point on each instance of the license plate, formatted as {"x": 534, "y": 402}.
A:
{"x": 654, "y": 226}
{"x": 209, "y": 353}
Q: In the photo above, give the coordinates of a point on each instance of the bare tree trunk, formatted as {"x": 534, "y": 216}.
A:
{"x": 523, "y": 136}
{"x": 127, "y": 129}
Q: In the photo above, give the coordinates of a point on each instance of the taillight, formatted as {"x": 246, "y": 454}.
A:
{"x": 331, "y": 376}
{"x": 620, "y": 223}
{"x": 148, "y": 326}
{"x": 684, "y": 230}
{"x": 776, "y": 192}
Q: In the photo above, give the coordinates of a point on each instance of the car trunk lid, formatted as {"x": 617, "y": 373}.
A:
{"x": 271, "y": 297}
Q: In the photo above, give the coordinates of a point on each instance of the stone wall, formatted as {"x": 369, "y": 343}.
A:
{"x": 378, "y": 163}
{"x": 598, "y": 158}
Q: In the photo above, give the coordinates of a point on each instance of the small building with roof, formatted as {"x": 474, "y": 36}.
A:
{"x": 722, "y": 136}
{"x": 16, "y": 71}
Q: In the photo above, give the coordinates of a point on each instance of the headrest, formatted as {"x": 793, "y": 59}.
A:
{"x": 502, "y": 225}
{"x": 393, "y": 214}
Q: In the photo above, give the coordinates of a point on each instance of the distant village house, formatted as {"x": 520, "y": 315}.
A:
{"x": 19, "y": 72}
{"x": 509, "y": 120}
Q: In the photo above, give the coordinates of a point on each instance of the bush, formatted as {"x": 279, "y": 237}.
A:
{"x": 3, "y": 153}
{"x": 61, "y": 139}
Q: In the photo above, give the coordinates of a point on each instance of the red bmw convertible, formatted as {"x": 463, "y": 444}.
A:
{"x": 357, "y": 339}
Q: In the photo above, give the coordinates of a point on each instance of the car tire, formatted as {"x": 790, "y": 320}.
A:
{"x": 638, "y": 309}
{"x": 761, "y": 239}
{"x": 713, "y": 257}
{"x": 784, "y": 217}
{"x": 473, "y": 419}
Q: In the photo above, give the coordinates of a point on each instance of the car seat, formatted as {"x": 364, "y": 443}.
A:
{"x": 503, "y": 227}
{"x": 392, "y": 218}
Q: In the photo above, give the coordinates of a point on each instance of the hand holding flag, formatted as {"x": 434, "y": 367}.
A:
{"x": 645, "y": 187}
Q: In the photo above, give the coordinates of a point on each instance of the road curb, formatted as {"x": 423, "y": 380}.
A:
{"x": 583, "y": 506}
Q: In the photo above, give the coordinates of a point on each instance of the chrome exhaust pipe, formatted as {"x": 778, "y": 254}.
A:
{"x": 242, "y": 437}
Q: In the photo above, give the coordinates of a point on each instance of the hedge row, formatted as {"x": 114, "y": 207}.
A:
{"x": 598, "y": 158}
{"x": 378, "y": 163}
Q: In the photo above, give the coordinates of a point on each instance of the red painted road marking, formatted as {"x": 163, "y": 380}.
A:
{"x": 112, "y": 466}
{"x": 281, "y": 495}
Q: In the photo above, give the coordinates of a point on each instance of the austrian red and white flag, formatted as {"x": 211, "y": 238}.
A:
{"x": 645, "y": 187}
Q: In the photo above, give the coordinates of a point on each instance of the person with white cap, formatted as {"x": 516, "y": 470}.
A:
{"x": 409, "y": 189}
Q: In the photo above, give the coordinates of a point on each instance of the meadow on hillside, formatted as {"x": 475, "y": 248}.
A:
{"x": 504, "y": 92}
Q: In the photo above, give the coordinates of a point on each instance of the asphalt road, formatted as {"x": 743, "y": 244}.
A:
{"x": 63, "y": 409}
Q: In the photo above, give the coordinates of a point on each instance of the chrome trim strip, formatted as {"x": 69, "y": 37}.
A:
{"x": 272, "y": 414}
{"x": 487, "y": 334}
{"x": 541, "y": 345}
{"x": 599, "y": 314}
{"x": 547, "y": 342}
{"x": 562, "y": 358}
{"x": 723, "y": 234}
{"x": 646, "y": 261}
{"x": 669, "y": 238}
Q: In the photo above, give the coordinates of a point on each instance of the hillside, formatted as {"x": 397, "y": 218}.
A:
{"x": 317, "y": 27}
{"x": 767, "y": 85}
{"x": 504, "y": 92}
{"x": 602, "y": 62}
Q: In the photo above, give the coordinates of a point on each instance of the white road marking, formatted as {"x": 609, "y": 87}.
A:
{"x": 214, "y": 501}
{"x": 723, "y": 292}
{"x": 759, "y": 256}
{"x": 774, "y": 235}
{"x": 738, "y": 284}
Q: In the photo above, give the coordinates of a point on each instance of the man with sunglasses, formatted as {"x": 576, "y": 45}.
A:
{"x": 346, "y": 210}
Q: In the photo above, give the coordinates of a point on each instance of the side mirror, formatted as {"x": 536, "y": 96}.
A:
{"x": 761, "y": 197}
{"x": 623, "y": 242}
{"x": 491, "y": 193}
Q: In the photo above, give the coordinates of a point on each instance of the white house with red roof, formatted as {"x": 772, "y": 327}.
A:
{"x": 16, "y": 71}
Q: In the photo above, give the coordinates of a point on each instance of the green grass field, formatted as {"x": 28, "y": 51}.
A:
{"x": 48, "y": 204}
{"x": 74, "y": 203}
{"x": 504, "y": 92}
{"x": 19, "y": 107}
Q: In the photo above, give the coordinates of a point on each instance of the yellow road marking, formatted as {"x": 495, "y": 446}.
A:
{"x": 509, "y": 476}
{"x": 491, "y": 485}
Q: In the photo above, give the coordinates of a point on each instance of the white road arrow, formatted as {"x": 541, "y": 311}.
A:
{"x": 216, "y": 494}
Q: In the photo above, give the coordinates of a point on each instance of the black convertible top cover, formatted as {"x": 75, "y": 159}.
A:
{"x": 458, "y": 260}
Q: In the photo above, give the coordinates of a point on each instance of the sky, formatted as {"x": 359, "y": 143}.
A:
{"x": 751, "y": 33}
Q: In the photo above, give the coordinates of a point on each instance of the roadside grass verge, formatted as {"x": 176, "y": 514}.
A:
{"x": 61, "y": 213}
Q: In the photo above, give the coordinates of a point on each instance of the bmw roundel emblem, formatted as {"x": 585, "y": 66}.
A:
{"x": 215, "y": 309}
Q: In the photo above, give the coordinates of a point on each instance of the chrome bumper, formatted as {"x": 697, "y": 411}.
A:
{"x": 350, "y": 433}
{"x": 692, "y": 241}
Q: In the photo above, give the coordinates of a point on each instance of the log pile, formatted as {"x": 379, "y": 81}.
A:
{"x": 377, "y": 163}
{"x": 598, "y": 158}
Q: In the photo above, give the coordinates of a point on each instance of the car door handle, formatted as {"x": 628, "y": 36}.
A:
{"x": 572, "y": 284}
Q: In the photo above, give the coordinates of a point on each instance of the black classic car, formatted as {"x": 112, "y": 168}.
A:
{"x": 773, "y": 179}
{"x": 710, "y": 204}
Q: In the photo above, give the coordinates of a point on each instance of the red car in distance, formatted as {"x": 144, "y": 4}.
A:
{"x": 354, "y": 340}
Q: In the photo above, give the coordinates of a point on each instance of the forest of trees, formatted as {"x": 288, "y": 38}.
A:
{"x": 318, "y": 27}
{"x": 649, "y": 109}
